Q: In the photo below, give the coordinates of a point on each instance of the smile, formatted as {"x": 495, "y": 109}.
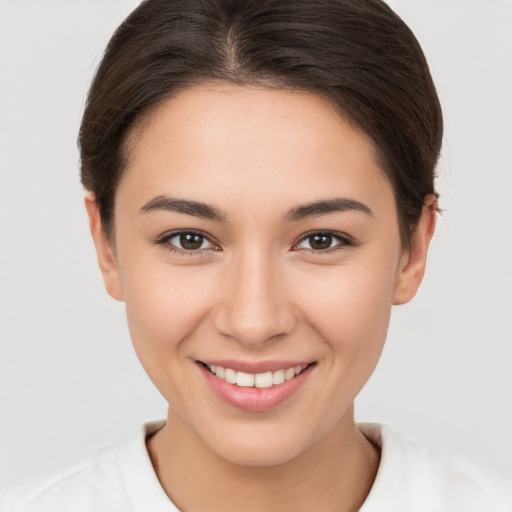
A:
{"x": 255, "y": 387}
{"x": 255, "y": 380}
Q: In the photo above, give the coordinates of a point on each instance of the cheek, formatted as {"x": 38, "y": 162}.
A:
{"x": 350, "y": 306}
{"x": 348, "y": 313}
{"x": 164, "y": 306}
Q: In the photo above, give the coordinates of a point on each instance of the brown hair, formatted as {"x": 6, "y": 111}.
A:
{"x": 357, "y": 53}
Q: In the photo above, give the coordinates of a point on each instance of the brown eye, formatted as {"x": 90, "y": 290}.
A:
{"x": 191, "y": 241}
{"x": 187, "y": 241}
{"x": 322, "y": 242}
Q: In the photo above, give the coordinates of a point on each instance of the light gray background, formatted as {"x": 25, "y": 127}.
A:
{"x": 69, "y": 379}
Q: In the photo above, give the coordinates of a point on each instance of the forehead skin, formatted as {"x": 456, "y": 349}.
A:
{"x": 222, "y": 129}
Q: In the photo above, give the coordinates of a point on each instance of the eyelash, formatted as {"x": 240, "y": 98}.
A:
{"x": 172, "y": 248}
{"x": 343, "y": 242}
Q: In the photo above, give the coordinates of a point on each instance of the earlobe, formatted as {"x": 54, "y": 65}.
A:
{"x": 413, "y": 262}
{"x": 104, "y": 251}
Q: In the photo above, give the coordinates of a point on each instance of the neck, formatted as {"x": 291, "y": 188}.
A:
{"x": 334, "y": 474}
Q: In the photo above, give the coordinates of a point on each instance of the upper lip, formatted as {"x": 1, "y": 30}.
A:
{"x": 255, "y": 366}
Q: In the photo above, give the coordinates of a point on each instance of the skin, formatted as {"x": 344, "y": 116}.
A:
{"x": 258, "y": 291}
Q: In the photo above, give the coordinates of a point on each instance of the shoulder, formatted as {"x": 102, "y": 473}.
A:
{"x": 113, "y": 479}
{"x": 413, "y": 478}
{"x": 82, "y": 484}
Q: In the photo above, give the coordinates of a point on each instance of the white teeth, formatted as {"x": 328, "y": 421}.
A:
{"x": 289, "y": 374}
{"x": 230, "y": 376}
{"x": 279, "y": 377}
{"x": 264, "y": 380}
{"x": 245, "y": 380}
{"x": 259, "y": 380}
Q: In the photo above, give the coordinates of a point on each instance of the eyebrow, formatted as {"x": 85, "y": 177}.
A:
{"x": 205, "y": 211}
{"x": 326, "y": 206}
{"x": 186, "y": 206}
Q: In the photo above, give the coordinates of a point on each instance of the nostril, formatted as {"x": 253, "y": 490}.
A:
{"x": 254, "y": 324}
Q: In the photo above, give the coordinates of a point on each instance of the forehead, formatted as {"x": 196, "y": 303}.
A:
{"x": 249, "y": 142}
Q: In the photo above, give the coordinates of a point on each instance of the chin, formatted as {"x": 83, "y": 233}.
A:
{"x": 259, "y": 446}
{"x": 259, "y": 454}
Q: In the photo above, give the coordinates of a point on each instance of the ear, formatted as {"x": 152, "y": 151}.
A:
{"x": 413, "y": 261}
{"x": 104, "y": 251}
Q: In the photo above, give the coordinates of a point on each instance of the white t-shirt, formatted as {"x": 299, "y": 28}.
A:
{"x": 121, "y": 479}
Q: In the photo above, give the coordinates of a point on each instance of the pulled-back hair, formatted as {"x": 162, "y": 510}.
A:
{"x": 357, "y": 53}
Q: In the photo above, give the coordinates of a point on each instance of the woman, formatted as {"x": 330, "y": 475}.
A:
{"x": 260, "y": 190}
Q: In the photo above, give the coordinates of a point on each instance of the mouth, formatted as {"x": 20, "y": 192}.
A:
{"x": 262, "y": 380}
{"x": 258, "y": 390}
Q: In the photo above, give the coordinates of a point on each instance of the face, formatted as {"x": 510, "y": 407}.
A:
{"x": 256, "y": 238}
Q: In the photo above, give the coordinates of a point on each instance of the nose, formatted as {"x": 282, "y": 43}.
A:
{"x": 255, "y": 307}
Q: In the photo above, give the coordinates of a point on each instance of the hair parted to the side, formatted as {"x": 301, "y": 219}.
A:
{"x": 357, "y": 53}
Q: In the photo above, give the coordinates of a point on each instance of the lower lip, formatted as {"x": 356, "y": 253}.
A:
{"x": 255, "y": 399}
